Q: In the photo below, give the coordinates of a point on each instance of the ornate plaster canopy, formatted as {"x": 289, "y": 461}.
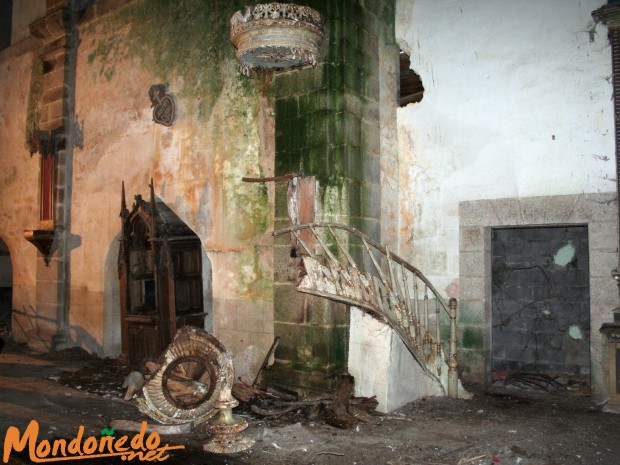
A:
{"x": 276, "y": 36}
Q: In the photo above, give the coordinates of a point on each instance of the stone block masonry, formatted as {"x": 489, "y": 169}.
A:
{"x": 328, "y": 126}
{"x": 478, "y": 221}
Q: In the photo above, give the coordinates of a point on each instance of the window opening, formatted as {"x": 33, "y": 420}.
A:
{"x": 46, "y": 216}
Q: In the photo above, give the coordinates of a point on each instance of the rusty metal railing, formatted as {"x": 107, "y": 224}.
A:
{"x": 383, "y": 284}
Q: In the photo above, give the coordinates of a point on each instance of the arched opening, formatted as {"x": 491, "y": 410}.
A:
{"x": 6, "y": 291}
{"x": 162, "y": 279}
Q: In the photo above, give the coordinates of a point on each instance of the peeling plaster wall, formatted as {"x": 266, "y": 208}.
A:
{"x": 19, "y": 204}
{"x": 196, "y": 165}
{"x": 383, "y": 367}
{"x": 223, "y": 131}
{"x": 517, "y": 105}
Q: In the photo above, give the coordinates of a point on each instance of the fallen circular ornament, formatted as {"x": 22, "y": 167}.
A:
{"x": 196, "y": 372}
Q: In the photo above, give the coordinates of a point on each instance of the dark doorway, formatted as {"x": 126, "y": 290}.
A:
{"x": 6, "y": 291}
{"x": 541, "y": 303}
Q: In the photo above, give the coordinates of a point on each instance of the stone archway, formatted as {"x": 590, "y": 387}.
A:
{"x": 161, "y": 279}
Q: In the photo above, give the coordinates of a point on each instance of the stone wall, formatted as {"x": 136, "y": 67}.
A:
{"x": 223, "y": 131}
{"x": 328, "y": 126}
{"x": 477, "y": 218}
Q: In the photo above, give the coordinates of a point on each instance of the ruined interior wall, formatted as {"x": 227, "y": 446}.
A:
{"x": 196, "y": 164}
{"x": 388, "y": 76}
{"x": 328, "y": 126}
{"x": 517, "y": 104}
{"x": 224, "y": 131}
{"x": 378, "y": 359}
{"x": 597, "y": 211}
{"x": 19, "y": 188}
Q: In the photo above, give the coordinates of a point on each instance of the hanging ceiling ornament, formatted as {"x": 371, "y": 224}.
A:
{"x": 276, "y": 36}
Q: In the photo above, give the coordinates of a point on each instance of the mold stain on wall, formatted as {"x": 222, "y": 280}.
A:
{"x": 196, "y": 164}
{"x": 33, "y": 114}
{"x": 176, "y": 40}
{"x": 183, "y": 44}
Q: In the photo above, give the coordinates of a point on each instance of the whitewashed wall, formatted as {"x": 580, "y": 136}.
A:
{"x": 517, "y": 103}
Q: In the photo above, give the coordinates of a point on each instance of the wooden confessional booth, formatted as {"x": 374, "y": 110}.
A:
{"x": 160, "y": 271}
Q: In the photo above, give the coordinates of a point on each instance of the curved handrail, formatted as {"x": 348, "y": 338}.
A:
{"x": 376, "y": 245}
{"x": 384, "y": 294}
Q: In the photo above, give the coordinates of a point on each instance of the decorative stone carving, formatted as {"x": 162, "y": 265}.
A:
{"x": 276, "y": 36}
{"x": 164, "y": 107}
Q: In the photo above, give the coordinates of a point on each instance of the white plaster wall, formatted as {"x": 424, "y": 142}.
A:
{"x": 517, "y": 103}
{"x": 369, "y": 352}
{"x": 383, "y": 367}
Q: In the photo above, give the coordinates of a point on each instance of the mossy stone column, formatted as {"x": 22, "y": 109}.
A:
{"x": 328, "y": 126}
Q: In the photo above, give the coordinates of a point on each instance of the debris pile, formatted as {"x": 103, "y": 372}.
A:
{"x": 279, "y": 406}
{"x": 102, "y": 377}
{"x": 553, "y": 383}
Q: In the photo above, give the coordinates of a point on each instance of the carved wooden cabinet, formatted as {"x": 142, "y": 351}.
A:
{"x": 160, "y": 272}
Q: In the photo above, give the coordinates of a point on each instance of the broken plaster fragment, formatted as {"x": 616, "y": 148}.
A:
{"x": 565, "y": 254}
{"x": 574, "y": 331}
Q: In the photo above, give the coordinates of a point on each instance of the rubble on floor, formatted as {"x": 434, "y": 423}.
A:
{"x": 278, "y": 406}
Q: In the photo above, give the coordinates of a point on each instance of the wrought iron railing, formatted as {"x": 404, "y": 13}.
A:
{"x": 383, "y": 284}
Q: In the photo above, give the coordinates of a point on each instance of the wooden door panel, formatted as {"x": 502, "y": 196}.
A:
{"x": 144, "y": 342}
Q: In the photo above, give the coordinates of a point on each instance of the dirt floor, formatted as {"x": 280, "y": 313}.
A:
{"x": 513, "y": 426}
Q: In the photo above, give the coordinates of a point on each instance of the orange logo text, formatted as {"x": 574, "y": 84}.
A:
{"x": 140, "y": 446}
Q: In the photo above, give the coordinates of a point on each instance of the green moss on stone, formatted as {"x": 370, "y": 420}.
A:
{"x": 473, "y": 338}
{"x": 187, "y": 40}
{"x": 33, "y": 114}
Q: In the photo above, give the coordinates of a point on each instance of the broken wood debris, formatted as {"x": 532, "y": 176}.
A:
{"x": 537, "y": 381}
{"x": 340, "y": 408}
{"x": 267, "y": 359}
{"x": 464, "y": 461}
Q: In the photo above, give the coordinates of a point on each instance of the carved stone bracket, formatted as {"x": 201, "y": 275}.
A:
{"x": 48, "y": 28}
{"x": 43, "y": 240}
